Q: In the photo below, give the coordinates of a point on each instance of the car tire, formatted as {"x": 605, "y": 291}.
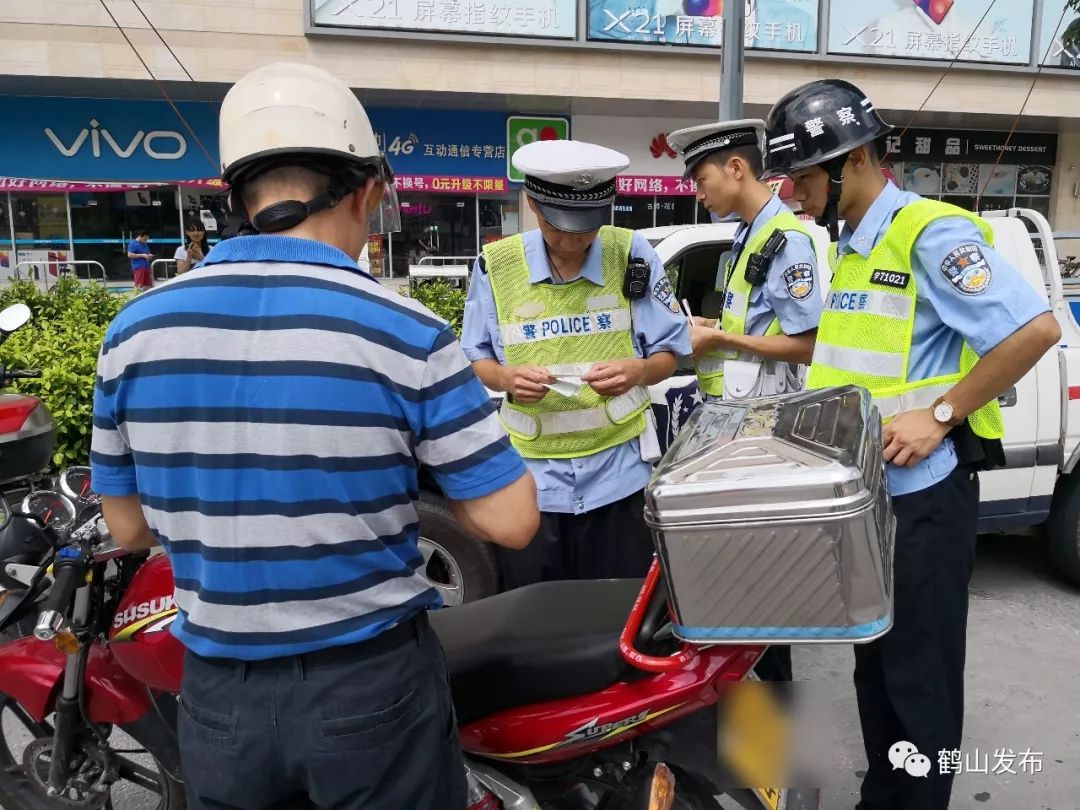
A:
{"x": 461, "y": 567}
{"x": 1063, "y": 527}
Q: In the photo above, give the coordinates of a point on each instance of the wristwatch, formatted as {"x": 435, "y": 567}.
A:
{"x": 944, "y": 413}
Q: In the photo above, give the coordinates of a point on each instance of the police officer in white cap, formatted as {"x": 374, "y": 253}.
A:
{"x": 573, "y": 321}
{"x": 771, "y": 294}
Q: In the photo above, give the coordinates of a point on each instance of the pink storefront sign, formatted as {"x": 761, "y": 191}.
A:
{"x": 449, "y": 184}
{"x": 32, "y": 184}
{"x": 630, "y": 185}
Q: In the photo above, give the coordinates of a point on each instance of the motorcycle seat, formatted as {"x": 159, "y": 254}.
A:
{"x": 542, "y": 642}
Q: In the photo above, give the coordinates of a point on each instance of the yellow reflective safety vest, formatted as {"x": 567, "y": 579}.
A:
{"x": 710, "y": 368}
{"x": 566, "y": 328}
{"x": 864, "y": 337}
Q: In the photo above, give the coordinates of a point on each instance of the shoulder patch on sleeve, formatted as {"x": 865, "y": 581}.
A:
{"x": 663, "y": 293}
{"x": 799, "y": 279}
{"x": 967, "y": 269}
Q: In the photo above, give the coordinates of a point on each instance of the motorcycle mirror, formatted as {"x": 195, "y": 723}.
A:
{"x": 14, "y": 317}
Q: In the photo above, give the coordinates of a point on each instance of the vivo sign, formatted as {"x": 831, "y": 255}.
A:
{"x": 107, "y": 139}
{"x": 158, "y": 144}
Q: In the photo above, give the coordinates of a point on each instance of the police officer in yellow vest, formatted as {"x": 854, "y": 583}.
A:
{"x": 573, "y": 321}
{"x": 770, "y": 290}
{"x": 936, "y": 324}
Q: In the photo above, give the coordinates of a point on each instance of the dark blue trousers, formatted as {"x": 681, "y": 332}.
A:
{"x": 369, "y": 726}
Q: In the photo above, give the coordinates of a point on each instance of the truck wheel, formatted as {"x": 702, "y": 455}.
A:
{"x": 1063, "y": 527}
{"x": 460, "y": 567}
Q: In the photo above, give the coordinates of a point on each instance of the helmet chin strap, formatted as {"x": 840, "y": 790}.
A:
{"x": 830, "y": 217}
{"x": 287, "y": 214}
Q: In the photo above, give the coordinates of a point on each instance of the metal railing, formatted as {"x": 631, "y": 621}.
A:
{"x": 444, "y": 260}
{"x": 40, "y": 274}
{"x": 166, "y": 263}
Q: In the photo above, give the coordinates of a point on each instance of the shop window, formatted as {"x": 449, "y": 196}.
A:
{"x": 499, "y": 218}
{"x": 42, "y": 240}
{"x": 7, "y": 249}
{"x": 633, "y": 212}
{"x": 40, "y": 219}
{"x": 1040, "y": 204}
{"x": 104, "y": 223}
{"x": 675, "y": 211}
{"x": 437, "y": 228}
{"x": 982, "y": 186}
{"x": 206, "y": 207}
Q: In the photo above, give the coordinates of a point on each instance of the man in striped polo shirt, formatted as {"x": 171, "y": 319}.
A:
{"x": 263, "y": 418}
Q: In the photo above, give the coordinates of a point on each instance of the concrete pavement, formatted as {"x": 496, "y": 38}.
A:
{"x": 1022, "y": 686}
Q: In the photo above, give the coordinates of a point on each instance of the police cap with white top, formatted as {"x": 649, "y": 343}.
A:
{"x": 697, "y": 143}
{"x": 572, "y": 182}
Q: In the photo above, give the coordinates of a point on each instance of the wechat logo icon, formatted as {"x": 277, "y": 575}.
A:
{"x": 905, "y": 755}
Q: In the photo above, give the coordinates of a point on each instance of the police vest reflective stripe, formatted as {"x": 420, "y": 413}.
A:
{"x": 886, "y": 304}
{"x": 591, "y": 323}
{"x": 566, "y": 328}
{"x": 616, "y": 409}
{"x": 710, "y": 368}
{"x": 865, "y": 334}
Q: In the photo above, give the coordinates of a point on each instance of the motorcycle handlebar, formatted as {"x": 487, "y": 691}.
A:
{"x": 69, "y": 572}
{"x": 22, "y": 375}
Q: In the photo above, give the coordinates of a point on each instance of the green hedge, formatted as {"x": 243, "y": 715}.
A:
{"x": 62, "y": 341}
{"x": 442, "y": 298}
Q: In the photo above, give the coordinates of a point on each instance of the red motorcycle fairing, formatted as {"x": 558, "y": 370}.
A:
{"x": 140, "y": 636}
{"x": 559, "y": 730}
{"x": 31, "y": 672}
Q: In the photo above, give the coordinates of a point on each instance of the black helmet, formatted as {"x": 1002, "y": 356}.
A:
{"x": 816, "y": 123}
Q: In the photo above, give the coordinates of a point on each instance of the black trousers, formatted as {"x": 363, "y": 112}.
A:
{"x": 611, "y": 542}
{"x": 775, "y": 664}
{"x": 910, "y": 682}
{"x": 369, "y": 726}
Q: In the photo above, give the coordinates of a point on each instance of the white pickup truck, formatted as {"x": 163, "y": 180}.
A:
{"x": 1037, "y": 487}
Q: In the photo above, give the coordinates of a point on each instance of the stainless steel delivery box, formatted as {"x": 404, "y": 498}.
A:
{"x": 772, "y": 521}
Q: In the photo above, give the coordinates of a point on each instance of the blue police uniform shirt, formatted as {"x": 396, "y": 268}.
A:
{"x": 949, "y": 309}
{"x": 775, "y": 299}
{"x": 582, "y": 484}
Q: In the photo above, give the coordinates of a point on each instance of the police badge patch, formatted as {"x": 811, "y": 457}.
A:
{"x": 800, "y": 280}
{"x": 663, "y": 293}
{"x": 968, "y": 270}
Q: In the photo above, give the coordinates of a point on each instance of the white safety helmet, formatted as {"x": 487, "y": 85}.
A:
{"x": 288, "y": 113}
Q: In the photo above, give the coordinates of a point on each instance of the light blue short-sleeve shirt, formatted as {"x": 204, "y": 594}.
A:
{"x": 951, "y": 306}
{"x": 793, "y": 265}
{"x": 582, "y": 484}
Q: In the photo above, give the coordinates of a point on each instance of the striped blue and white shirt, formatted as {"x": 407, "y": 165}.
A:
{"x": 271, "y": 408}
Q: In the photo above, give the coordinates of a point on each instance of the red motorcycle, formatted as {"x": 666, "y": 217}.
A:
{"x": 563, "y": 702}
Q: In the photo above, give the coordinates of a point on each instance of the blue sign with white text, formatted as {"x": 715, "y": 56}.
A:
{"x": 107, "y": 139}
{"x": 442, "y": 142}
{"x": 124, "y": 140}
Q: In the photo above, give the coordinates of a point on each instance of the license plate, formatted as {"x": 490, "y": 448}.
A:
{"x": 754, "y": 739}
